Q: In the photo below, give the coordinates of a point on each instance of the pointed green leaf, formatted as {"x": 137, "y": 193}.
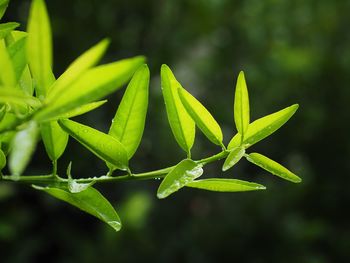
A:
{"x": 2, "y": 160}
{"x": 201, "y": 116}
{"x": 7, "y": 73}
{"x": 182, "y": 125}
{"x": 26, "y": 82}
{"x": 264, "y": 127}
{"x": 6, "y": 28}
{"x": 90, "y": 201}
{"x": 182, "y": 174}
{"x": 241, "y": 105}
{"x": 102, "y": 145}
{"x": 98, "y": 82}
{"x": 17, "y": 54}
{"x": 3, "y": 6}
{"x": 23, "y": 146}
{"x": 225, "y": 185}
{"x": 129, "y": 121}
{"x": 87, "y": 60}
{"x": 39, "y": 46}
{"x": 272, "y": 167}
{"x": 234, "y": 156}
{"x": 54, "y": 138}
{"x": 78, "y": 111}
{"x": 17, "y": 96}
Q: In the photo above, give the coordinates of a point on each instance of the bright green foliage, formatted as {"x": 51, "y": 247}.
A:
{"x": 182, "y": 126}
{"x": 241, "y": 105}
{"x": 233, "y": 157}
{"x": 264, "y": 127}
{"x": 6, "y": 28}
{"x": 3, "y": 6}
{"x": 183, "y": 173}
{"x": 129, "y": 121}
{"x": 23, "y": 146}
{"x": 17, "y": 96}
{"x": 90, "y": 201}
{"x": 39, "y": 49}
{"x": 17, "y": 52}
{"x": 102, "y": 145}
{"x": 55, "y": 139}
{"x": 225, "y": 185}
{"x": 2, "y": 160}
{"x": 7, "y": 73}
{"x": 272, "y": 167}
{"x": 201, "y": 116}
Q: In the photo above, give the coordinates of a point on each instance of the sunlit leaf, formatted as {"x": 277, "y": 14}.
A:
{"x": 201, "y": 116}
{"x": 3, "y": 6}
{"x": 90, "y": 201}
{"x": 182, "y": 125}
{"x": 183, "y": 173}
{"x": 225, "y": 185}
{"x": 98, "y": 82}
{"x": 77, "y": 68}
{"x": 241, "y": 105}
{"x": 23, "y": 146}
{"x": 6, "y": 28}
{"x": 129, "y": 121}
{"x": 233, "y": 157}
{"x": 17, "y": 96}
{"x": 102, "y": 145}
{"x": 264, "y": 127}
{"x": 2, "y": 160}
{"x": 17, "y": 52}
{"x": 54, "y": 138}
{"x": 7, "y": 73}
{"x": 272, "y": 167}
{"x": 26, "y": 82}
{"x": 39, "y": 46}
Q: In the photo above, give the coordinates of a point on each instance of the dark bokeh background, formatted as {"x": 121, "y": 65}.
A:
{"x": 291, "y": 52}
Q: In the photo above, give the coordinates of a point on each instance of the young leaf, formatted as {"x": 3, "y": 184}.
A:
{"x": 98, "y": 82}
{"x": 6, "y": 28}
{"x": 90, "y": 201}
{"x": 234, "y": 156}
{"x": 78, "y": 111}
{"x": 17, "y": 96}
{"x": 102, "y": 145}
{"x": 3, "y": 6}
{"x": 225, "y": 185}
{"x": 129, "y": 121}
{"x": 7, "y": 73}
{"x": 241, "y": 105}
{"x": 183, "y": 173}
{"x": 182, "y": 125}
{"x": 77, "y": 68}
{"x": 23, "y": 146}
{"x": 54, "y": 138}
{"x": 201, "y": 116}
{"x": 39, "y": 46}
{"x": 26, "y": 82}
{"x": 272, "y": 167}
{"x": 17, "y": 54}
{"x": 264, "y": 127}
{"x": 2, "y": 160}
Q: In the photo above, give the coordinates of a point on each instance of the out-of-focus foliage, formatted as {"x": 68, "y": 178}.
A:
{"x": 291, "y": 50}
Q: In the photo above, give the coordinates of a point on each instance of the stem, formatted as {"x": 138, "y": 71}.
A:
{"x": 160, "y": 173}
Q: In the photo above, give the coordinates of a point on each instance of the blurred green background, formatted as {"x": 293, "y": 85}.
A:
{"x": 291, "y": 51}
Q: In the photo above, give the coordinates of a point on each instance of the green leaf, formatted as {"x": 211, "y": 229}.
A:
{"x": 182, "y": 125}
{"x": 263, "y": 127}
{"x": 6, "y": 28}
{"x": 241, "y": 105}
{"x": 98, "y": 82}
{"x": 129, "y": 121}
{"x": 225, "y": 185}
{"x": 272, "y": 167}
{"x": 90, "y": 201}
{"x": 26, "y": 82}
{"x": 102, "y": 145}
{"x": 77, "y": 68}
{"x": 54, "y": 138}
{"x": 17, "y": 96}
{"x": 7, "y": 73}
{"x": 2, "y": 160}
{"x": 201, "y": 116}
{"x": 17, "y": 52}
{"x": 2, "y": 112}
{"x": 39, "y": 47}
{"x": 234, "y": 156}
{"x": 3, "y": 6}
{"x": 182, "y": 174}
{"x": 78, "y": 111}
{"x": 23, "y": 146}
